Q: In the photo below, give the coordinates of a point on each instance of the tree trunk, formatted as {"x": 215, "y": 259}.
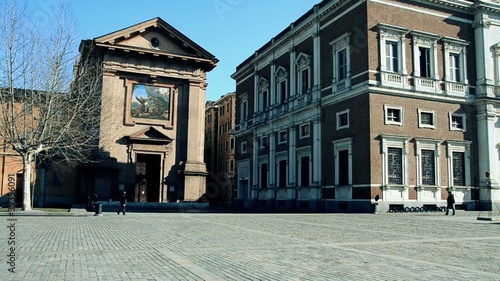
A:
{"x": 27, "y": 159}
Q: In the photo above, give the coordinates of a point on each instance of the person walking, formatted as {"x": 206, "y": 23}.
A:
{"x": 450, "y": 203}
{"x": 123, "y": 200}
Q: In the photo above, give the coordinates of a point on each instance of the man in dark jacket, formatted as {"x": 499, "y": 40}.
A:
{"x": 123, "y": 200}
{"x": 450, "y": 203}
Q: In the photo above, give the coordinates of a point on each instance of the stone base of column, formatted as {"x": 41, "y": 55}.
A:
{"x": 194, "y": 181}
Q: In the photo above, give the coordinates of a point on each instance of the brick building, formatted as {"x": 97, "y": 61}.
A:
{"x": 354, "y": 101}
{"x": 220, "y": 147}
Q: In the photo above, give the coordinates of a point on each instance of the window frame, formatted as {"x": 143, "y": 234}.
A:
{"x": 302, "y": 134}
{"x": 386, "y": 116}
{"x": 303, "y": 63}
{"x": 432, "y": 145}
{"x": 244, "y": 147}
{"x": 394, "y": 34}
{"x": 427, "y": 126}
{"x": 281, "y": 77}
{"x": 338, "y": 117}
{"x": 462, "y": 147}
{"x": 401, "y": 142}
{"x": 340, "y": 45}
{"x": 280, "y": 139}
{"x": 453, "y": 47}
{"x": 463, "y": 116}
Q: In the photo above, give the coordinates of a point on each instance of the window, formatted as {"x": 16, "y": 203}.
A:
{"x": 394, "y": 153}
{"x": 304, "y": 166}
{"x": 263, "y": 175}
{"x": 392, "y": 55}
{"x": 428, "y": 167}
{"x": 426, "y": 119}
{"x": 455, "y": 67}
{"x": 343, "y": 161}
{"x": 341, "y": 65}
{"x": 244, "y": 108}
{"x": 281, "y": 85}
{"x": 304, "y": 131}
{"x": 393, "y": 115}
{"x": 263, "y": 97}
{"x": 395, "y": 165}
{"x": 343, "y": 119}
{"x": 281, "y": 173}
{"x": 458, "y": 160}
{"x": 427, "y": 161}
{"x": 231, "y": 165}
{"x": 264, "y": 142}
{"x": 282, "y": 137}
{"x": 425, "y": 64}
{"x": 243, "y": 147}
{"x": 303, "y": 74}
{"x": 232, "y": 143}
{"x": 457, "y": 122}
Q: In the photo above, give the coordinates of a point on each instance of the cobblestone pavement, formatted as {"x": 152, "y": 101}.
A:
{"x": 217, "y": 246}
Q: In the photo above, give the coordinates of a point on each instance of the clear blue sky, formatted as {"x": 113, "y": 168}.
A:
{"x": 232, "y": 30}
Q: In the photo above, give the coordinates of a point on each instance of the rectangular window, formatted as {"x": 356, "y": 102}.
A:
{"x": 264, "y": 100}
{"x": 395, "y": 165}
{"x": 393, "y": 115}
{"x": 426, "y": 119}
{"x": 343, "y": 119}
{"x": 458, "y": 169}
{"x": 304, "y": 131}
{"x": 282, "y": 91}
{"x": 391, "y": 56}
{"x": 282, "y": 173}
{"x": 454, "y": 67}
{"x": 244, "y": 110}
{"x": 304, "y": 171}
{"x": 342, "y": 64}
{"x": 232, "y": 143}
{"x": 343, "y": 167}
{"x": 243, "y": 147}
{"x": 264, "y": 142}
{"x": 282, "y": 137}
{"x": 231, "y": 165}
{"x": 425, "y": 62}
{"x": 304, "y": 81}
{"x": 263, "y": 175}
{"x": 428, "y": 167}
{"x": 457, "y": 123}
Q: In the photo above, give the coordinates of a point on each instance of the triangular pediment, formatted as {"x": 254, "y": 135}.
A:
{"x": 157, "y": 37}
{"x": 151, "y": 135}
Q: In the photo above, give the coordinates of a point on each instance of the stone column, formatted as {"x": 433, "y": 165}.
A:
{"x": 292, "y": 162}
{"x": 195, "y": 171}
{"x": 484, "y": 62}
{"x": 488, "y": 155}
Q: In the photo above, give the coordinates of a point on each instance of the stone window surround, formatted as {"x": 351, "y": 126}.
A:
{"x": 340, "y": 145}
{"x": 396, "y": 142}
{"x": 427, "y": 144}
{"x": 340, "y": 113}
{"x": 338, "y": 45}
{"x": 463, "y": 116}
{"x": 428, "y": 126}
{"x": 458, "y": 146}
{"x": 390, "y": 122}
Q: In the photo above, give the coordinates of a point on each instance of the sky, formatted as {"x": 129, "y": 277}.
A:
{"x": 232, "y": 30}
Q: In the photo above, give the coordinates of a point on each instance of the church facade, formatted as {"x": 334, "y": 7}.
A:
{"x": 152, "y": 82}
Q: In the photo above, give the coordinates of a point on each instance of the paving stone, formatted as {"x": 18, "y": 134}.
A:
{"x": 198, "y": 246}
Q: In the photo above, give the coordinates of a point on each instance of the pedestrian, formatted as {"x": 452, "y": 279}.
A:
{"x": 90, "y": 206}
{"x": 123, "y": 200}
{"x": 450, "y": 203}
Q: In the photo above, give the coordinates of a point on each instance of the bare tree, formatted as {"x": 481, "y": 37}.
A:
{"x": 49, "y": 108}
